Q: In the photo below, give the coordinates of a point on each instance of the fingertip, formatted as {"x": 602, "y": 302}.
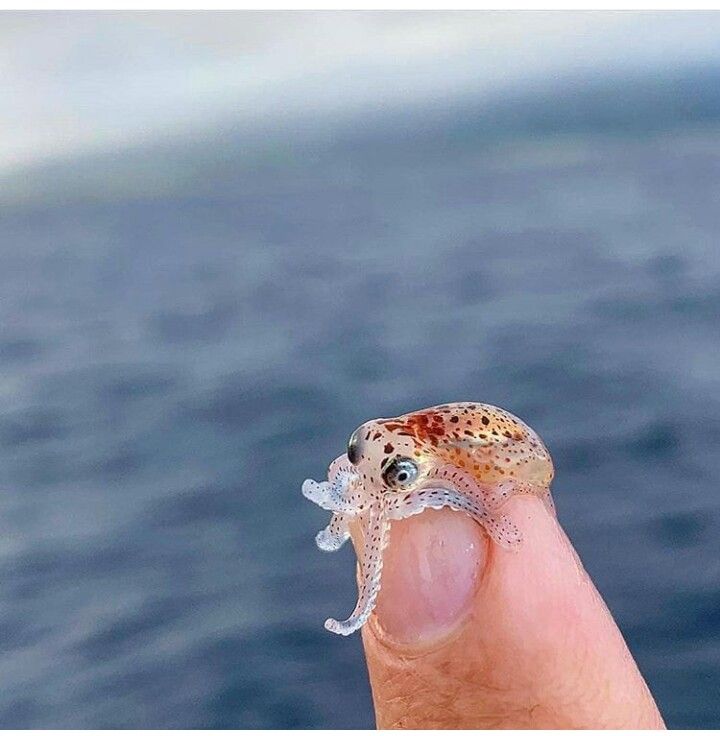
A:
{"x": 431, "y": 571}
{"x": 464, "y": 628}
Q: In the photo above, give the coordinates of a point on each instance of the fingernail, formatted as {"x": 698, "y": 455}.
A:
{"x": 430, "y": 573}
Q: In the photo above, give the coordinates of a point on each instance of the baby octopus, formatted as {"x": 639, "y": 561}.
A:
{"x": 469, "y": 457}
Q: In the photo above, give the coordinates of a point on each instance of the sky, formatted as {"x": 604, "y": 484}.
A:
{"x": 78, "y": 82}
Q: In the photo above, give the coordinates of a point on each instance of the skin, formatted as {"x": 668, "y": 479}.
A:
{"x": 466, "y": 635}
{"x": 470, "y": 633}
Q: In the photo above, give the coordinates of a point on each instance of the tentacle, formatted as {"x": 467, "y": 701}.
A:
{"x": 376, "y": 536}
{"x": 496, "y": 496}
{"x": 457, "y": 479}
{"x": 500, "y": 528}
{"x": 549, "y": 501}
{"x": 493, "y": 496}
{"x": 503, "y": 531}
{"x": 334, "y": 535}
{"x": 340, "y": 465}
{"x": 340, "y": 493}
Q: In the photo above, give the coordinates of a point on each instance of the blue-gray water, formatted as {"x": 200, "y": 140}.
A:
{"x": 177, "y": 359}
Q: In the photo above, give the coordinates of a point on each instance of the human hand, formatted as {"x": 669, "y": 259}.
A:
{"x": 467, "y": 635}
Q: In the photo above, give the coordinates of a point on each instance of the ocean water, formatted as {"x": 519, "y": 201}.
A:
{"x": 177, "y": 357}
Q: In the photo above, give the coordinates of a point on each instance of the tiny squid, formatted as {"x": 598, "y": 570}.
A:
{"x": 467, "y": 456}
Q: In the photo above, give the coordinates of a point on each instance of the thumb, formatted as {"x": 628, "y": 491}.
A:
{"x": 467, "y": 635}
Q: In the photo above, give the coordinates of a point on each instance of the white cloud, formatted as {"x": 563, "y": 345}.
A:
{"x": 79, "y": 81}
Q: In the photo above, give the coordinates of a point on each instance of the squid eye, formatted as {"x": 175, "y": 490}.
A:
{"x": 353, "y": 448}
{"x": 399, "y": 472}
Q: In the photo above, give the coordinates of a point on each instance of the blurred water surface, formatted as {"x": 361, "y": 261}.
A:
{"x": 177, "y": 358}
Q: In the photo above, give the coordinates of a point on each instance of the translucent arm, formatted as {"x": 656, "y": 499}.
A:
{"x": 376, "y": 528}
